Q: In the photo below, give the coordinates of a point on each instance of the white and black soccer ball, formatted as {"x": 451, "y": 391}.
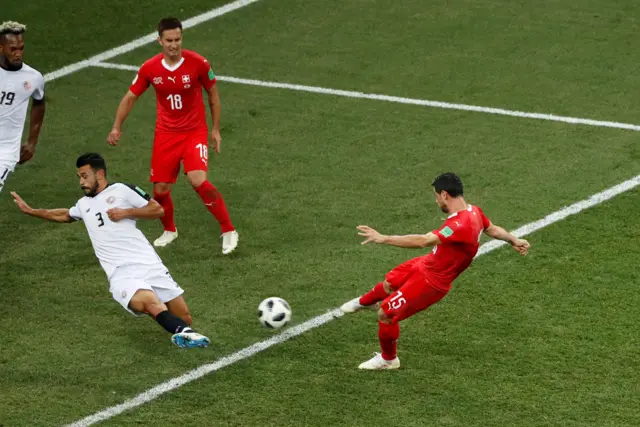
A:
{"x": 274, "y": 313}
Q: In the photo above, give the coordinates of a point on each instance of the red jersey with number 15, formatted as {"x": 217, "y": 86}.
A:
{"x": 459, "y": 241}
{"x": 180, "y": 106}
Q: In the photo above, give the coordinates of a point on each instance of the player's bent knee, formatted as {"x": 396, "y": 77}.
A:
{"x": 382, "y": 316}
{"x": 145, "y": 301}
{"x": 196, "y": 178}
{"x": 387, "y": 287}
{"x": 161, "y": 187}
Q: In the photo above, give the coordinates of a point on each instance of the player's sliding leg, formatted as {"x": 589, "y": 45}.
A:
{"x": 146, "y": 301}
{"x": 162, "y": 195}
{"x": 178, "y": 307}
{"x": 214, "y": 202}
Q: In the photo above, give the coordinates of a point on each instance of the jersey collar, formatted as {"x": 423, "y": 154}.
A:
{"x": 469, "y": 208}
{"x": 174, "y": 67}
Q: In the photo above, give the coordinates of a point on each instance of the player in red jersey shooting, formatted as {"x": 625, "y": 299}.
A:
{"x": 178, "y": 77}
{"x": 421, "y": 282}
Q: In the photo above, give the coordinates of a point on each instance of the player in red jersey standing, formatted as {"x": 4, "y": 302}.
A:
{"x": 423, "y": 281}
{"x": 178, "y": 77}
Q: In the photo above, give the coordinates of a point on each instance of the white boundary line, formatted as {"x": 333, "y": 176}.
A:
{"x": 401, "y": 100}
{"x": 247, "y": 352}
{"x": 149, "y": 38}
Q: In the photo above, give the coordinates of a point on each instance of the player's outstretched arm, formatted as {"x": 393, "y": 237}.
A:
{"x": 152, "y": 210}
{"x": 36, "y": 118}
{"x": 125, "y": 107}
{"x": 54, "y": 215}
{"x": 407, "y": 241}
{"x": 496, "y": 232}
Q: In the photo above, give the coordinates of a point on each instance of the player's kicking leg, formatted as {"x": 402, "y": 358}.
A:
{"x": 370, "y": 300}
{"x": 146, "y": 301}
{"x": 393, "y": 280}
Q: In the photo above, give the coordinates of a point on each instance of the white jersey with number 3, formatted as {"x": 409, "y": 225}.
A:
{"x": 16, "y": 88}
{"x": 116, "y": 244}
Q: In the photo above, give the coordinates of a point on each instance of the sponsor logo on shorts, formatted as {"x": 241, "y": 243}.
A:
{"x": 123, "y": 294}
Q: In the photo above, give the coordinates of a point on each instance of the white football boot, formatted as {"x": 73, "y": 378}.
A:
{"x": 377, "y": 363}
{"x": 354, "y": 305}
{"x": 166, "y": 238}
{"x": 189, "y": 338}
{"x": 229, "y": 242}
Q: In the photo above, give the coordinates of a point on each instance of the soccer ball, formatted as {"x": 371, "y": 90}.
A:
{"x": 274, "y": 313}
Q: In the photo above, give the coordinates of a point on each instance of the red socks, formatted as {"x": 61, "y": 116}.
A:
{"x": 165, "y": 201}
{"x": 215, "y": 203}
{"x": 388, "y": 335}
{"x": 374, "y": 295}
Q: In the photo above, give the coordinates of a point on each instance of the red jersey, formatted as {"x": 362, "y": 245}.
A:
{"x": 459, "y": 241}
{"x": 178, "y": 91}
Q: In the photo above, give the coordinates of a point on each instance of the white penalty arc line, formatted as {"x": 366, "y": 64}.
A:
{"x": 247, "y": 352}
{"x": 149, "y": 38}
{"x": 402, "y": 100}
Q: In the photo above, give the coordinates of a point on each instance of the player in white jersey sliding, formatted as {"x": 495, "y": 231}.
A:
{"x": 18, "y": 83}
{"x": 138, "y": 279}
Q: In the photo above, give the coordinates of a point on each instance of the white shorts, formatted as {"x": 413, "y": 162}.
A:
{"x": 128, "y": 279}
{"x": 5, "y": 170}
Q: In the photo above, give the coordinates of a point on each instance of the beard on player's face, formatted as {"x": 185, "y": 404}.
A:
{"x": 90, "y": 190}
{"x": 441, "y": 203}
{"x": 10, "y": 63}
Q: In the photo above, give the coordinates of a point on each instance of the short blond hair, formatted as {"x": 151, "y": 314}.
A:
{"x": 12, "y": 27}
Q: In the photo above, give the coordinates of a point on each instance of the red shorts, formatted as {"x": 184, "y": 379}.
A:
{"x": 172, "y": 148}
{"x": 413, "y": 292}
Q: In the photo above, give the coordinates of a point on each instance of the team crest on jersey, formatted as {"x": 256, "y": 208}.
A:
{"x": 111, "y": 199}
{"x": 157, "y": 80}
{"x": 26, "y": 85}
{"x": 186, "y": 78}
{"x": 123, "y": 294}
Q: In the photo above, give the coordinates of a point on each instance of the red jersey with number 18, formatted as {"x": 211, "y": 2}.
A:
{"x": 179, "y": 102}
{"x": 459, "y": 241}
